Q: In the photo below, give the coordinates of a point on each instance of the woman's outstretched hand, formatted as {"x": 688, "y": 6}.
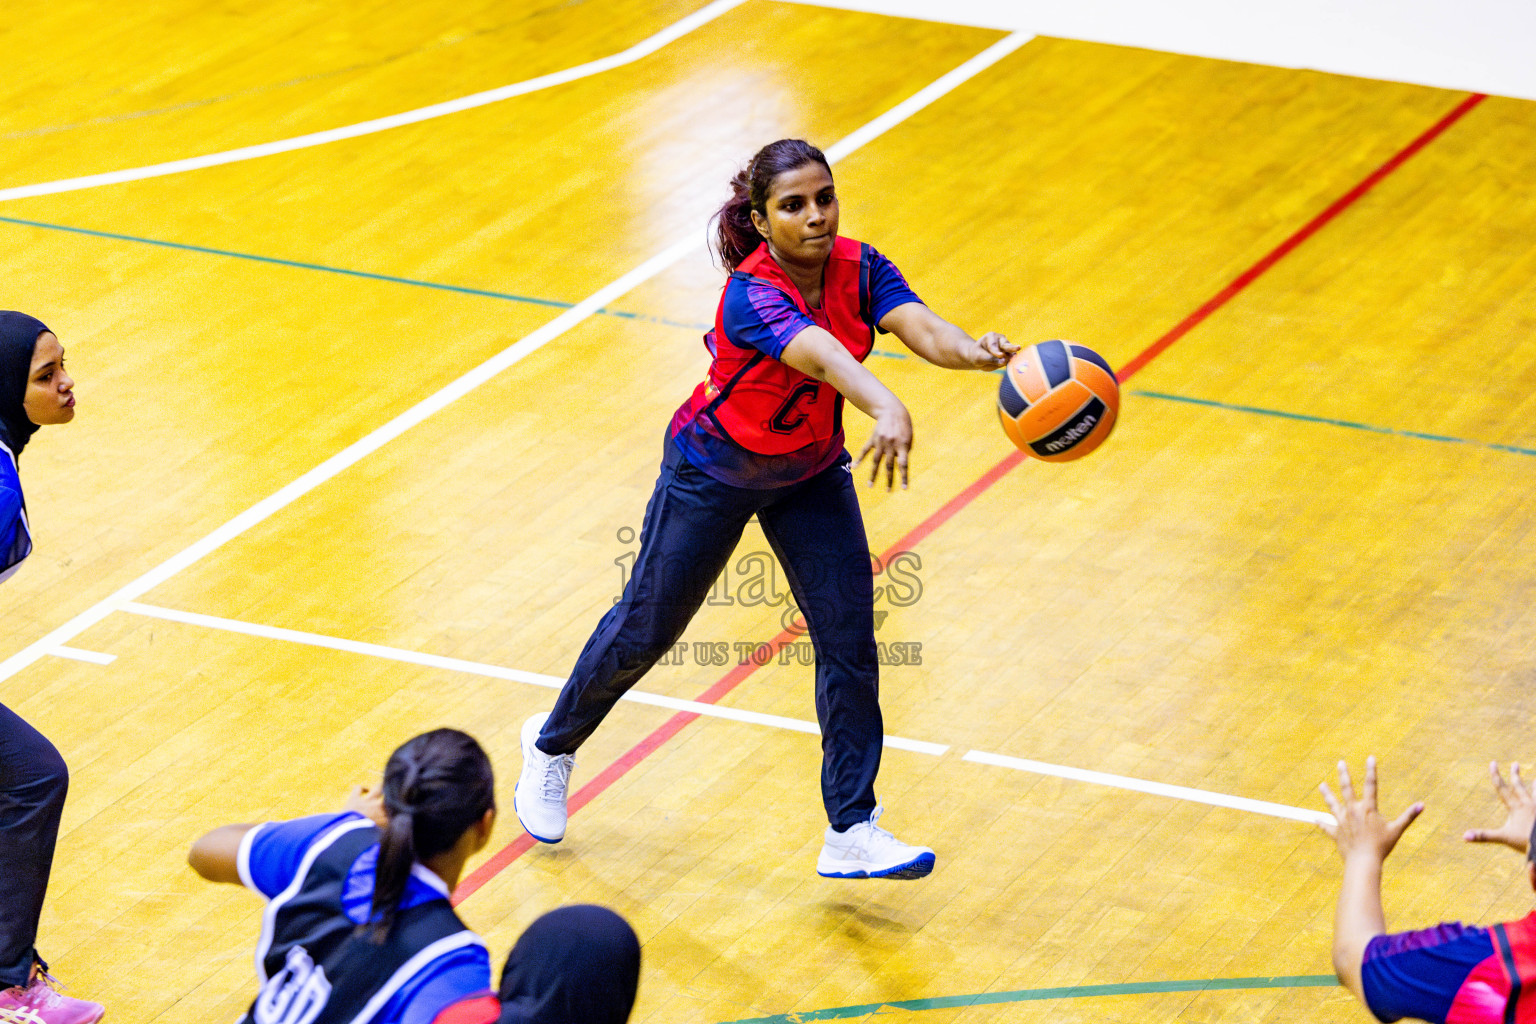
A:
{"x": 1364, "y": 839}
{"x": 1360, "y": 829}
{"x": 992, "y": 351}
{"x": 891, "y": 440}
{"x": 1520, "y": 803}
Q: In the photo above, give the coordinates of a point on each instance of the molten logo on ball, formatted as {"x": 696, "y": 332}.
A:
{"x": 1072, "y": 436}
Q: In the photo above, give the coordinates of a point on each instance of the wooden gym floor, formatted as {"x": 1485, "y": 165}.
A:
{"x": 1304, "y": 541}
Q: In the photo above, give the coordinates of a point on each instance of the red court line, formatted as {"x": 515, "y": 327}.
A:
{"x": 1311, "y": 228}
{"x": 615, "y": 771}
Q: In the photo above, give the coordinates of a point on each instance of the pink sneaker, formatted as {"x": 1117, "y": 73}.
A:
{"x": 14, "y": 1008}
{"x": 38, "y": 1003}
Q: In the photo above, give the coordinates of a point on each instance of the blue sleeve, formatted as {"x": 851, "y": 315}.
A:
{"x": 10, "y": 518}
{"x": 759, "y": 315}
{"x": 1419, "y": 974}
{"x": 10, "y": 504}
{"x": 15, "y": 540}
{"x": 887, "y": 288}
{"x": 456, "y": 976}
{"x": 270, "y": 854}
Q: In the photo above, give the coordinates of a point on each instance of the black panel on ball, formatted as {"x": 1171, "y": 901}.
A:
{"x": 1056, "y": 362}
{"x": 1067, "y": 436}
{"x": 1009, "y": 399}
{"x": 1093, "y": 357}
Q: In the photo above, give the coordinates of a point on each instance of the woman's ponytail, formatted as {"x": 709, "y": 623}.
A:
{"x": 436, "y": 787}
{"x": 397, "y": 852}
{"x": 735, "y": 234}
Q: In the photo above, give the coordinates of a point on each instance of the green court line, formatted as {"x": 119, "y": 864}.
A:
{"x": 685, "y": 325}
{"x": 369, "y": 275}
{"x": 1134, "y": 988}
{"x": 1281, "y": 414}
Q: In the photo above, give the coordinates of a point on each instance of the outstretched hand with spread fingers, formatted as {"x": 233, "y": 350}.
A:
{"x": 1360, "y": 829}
{"x": 1519, "y": 801}
{"x": 891, "y": 442}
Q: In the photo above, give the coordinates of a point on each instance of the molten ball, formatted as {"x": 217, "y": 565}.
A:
{"x": 1058, "y": 401}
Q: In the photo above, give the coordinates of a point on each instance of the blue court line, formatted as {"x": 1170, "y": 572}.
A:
{"x": 369, "y": 275}
{"x": 1281, "y": 414}
{"x": 1135, "y": 988}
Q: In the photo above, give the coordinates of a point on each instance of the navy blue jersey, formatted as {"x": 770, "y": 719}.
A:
{"x": 1453, "y": 973}
{"x": 317, "y": 874}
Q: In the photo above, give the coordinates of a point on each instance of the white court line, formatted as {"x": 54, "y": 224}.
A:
{"x": 1199, "y": 796}
{"x": 497, "y": 672}
{"x": 926, "y": 95}
{"x": 382, "y": 435}
{"x": 642, "y": 49}
{"x": 123, "y": 599}
{"x": 77, "y": 654}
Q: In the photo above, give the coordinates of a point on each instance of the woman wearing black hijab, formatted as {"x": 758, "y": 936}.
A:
{"x": 35, "y": 391}
{"x": 575, "y": 965}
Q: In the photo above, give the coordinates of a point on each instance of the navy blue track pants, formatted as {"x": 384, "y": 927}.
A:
{"x": 692, "y": 525}
{"x": 33, "y": 783}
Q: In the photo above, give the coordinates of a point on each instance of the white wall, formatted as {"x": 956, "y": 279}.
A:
{"x": 1476, "y": 45}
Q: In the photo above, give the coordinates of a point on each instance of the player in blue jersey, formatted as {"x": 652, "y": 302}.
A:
{"x": 1466, "y": 974}
{"x": 358, "y": 926}
{"x": 762, "y": 437}
{"x": 35, "y": 391}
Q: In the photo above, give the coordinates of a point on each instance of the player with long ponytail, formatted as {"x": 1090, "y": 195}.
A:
{"x": 762, "y": 437}
{"x": 436, "y": 787}
{"x": 358, "y": 925}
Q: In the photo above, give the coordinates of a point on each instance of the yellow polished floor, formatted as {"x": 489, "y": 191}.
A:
{"x": 1307, "y": 539}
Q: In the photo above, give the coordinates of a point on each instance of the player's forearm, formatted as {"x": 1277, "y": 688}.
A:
{"x": 822, "y": 357}
{"x": 216, "y": 856}
{"x": 1358, "y": 919}
{"x": 950, "y": 347}
{"x": 933, "y": 338}
{"x": 861, "y": 387}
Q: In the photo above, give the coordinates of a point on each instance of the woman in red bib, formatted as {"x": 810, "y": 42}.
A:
{"x": 763, "y": 436}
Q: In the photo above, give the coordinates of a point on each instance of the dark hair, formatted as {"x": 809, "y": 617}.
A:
{"x": 735, "y": 235}
{"x": 574, "y": 964}
{"x": 436, "y": 786}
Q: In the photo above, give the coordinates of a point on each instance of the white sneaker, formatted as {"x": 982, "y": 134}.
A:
{"x": 868, "y": 851}
{"x": 539, "y": 798}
